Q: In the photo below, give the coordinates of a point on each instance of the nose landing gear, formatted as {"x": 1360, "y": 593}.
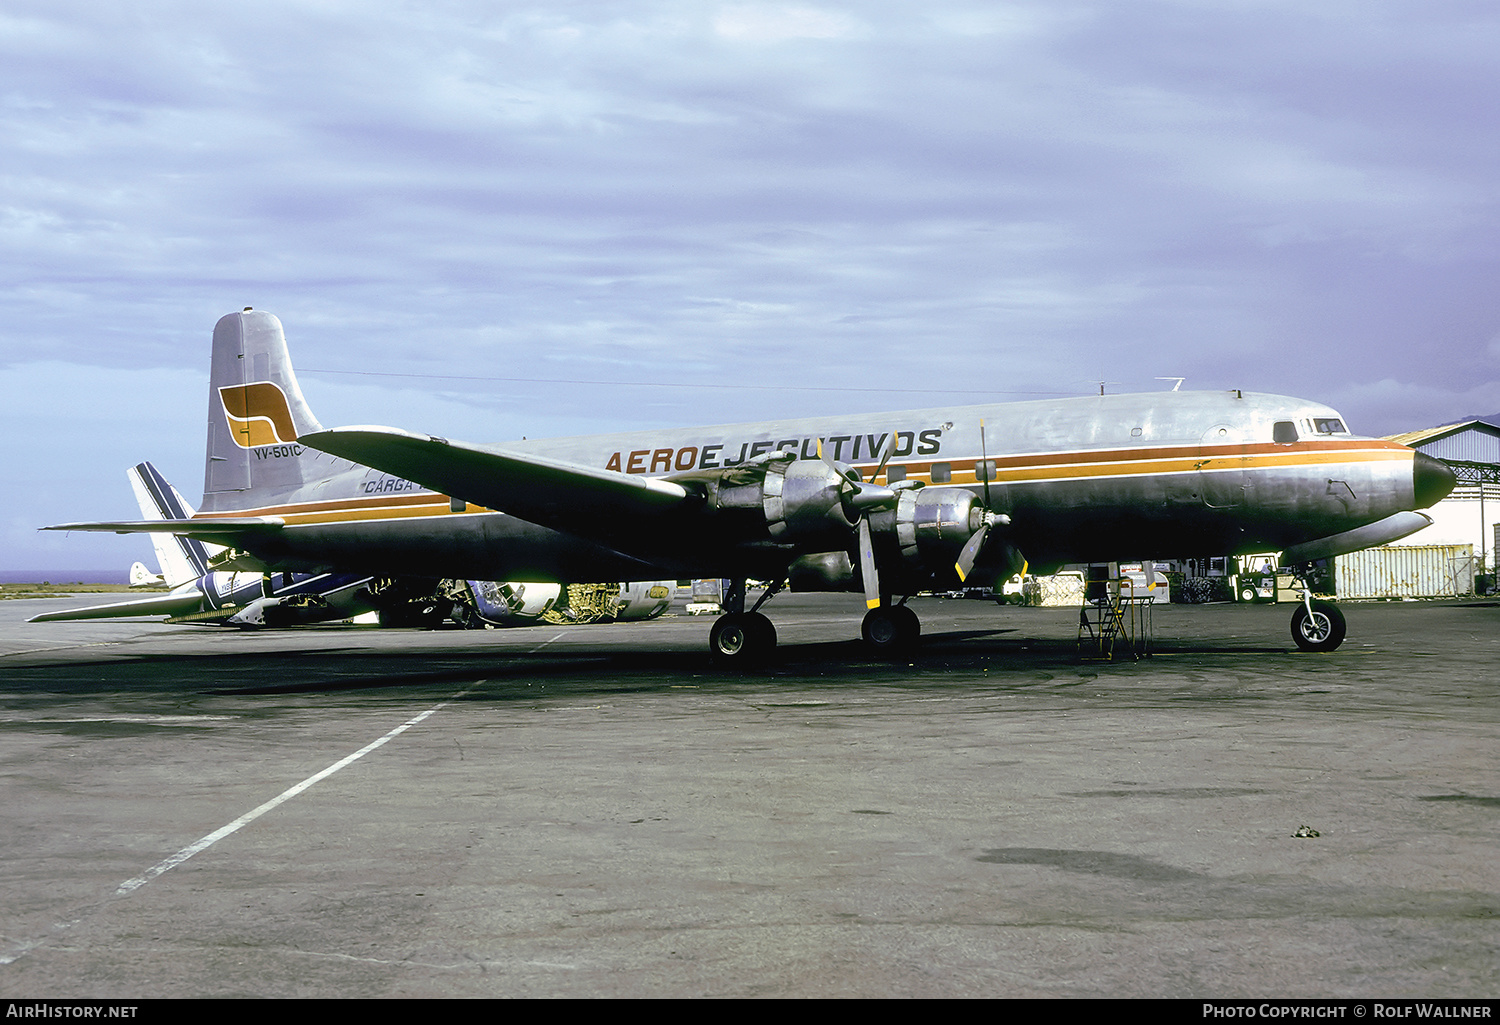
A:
{"x": 1316, "y": 625}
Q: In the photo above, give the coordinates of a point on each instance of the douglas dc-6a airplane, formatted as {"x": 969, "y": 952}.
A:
{"x": 889, "y": 504}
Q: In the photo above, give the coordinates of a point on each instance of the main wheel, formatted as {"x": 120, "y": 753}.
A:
{"x": 891, "y": 630}
{"x": 1323, "y": 630}
{"x": 742, "y": 638}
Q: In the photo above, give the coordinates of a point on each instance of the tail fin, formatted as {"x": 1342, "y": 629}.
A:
{"x": 140, "y": 576}
{"x": 181, "y": 558}
{"x": 256, "y": 413}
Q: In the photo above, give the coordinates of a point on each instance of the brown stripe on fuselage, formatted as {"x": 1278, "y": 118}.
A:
{"x": 1050, "y": 466}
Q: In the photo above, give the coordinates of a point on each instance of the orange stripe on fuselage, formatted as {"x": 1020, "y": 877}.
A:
{"x": 373, "y": 507}
{"x": 1058, "y": 466}
{"x": 1040, "y": 467}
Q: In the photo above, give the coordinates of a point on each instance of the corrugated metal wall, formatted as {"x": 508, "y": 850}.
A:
{"x": 1417, "y": 571}
{"x": 1479, "y": 443}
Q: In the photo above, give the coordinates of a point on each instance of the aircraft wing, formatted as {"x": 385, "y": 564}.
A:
{"x": 231, "y": 532}
{"x": 548, "y": 492}
{"x": 174, "y": 604}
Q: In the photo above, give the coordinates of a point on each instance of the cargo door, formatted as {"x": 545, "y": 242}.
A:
{"x": 1221, "y": 467}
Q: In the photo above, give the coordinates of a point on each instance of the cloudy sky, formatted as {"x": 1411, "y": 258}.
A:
{"x": 491, "y": 219}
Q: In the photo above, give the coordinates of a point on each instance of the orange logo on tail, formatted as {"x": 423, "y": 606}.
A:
{"x": 258, "y": 414}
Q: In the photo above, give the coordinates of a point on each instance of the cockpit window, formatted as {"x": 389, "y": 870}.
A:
{"x": 1284, "y": 433}
{"x": 1330, "y": 425}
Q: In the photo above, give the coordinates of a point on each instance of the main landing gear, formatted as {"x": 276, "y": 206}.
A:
{"x": 739, "y": 637}
{"x": 891, "y": 630}
{"x": 748, "y": 638}
{"x": 742, "y": 637}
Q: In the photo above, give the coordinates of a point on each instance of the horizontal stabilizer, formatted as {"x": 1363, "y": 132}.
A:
{"x": 549, "y": 492}
{"x": 174, "y": 604}
{"x": 229, "y": 532}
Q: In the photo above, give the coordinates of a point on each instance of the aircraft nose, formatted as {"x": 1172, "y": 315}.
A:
{"x": 1432, "y": 479}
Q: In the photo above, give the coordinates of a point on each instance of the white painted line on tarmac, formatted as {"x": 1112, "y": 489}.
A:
{"x": 548, "y": 641}
{"x": 131, "y": 885}
{"x": 60, "y": 647}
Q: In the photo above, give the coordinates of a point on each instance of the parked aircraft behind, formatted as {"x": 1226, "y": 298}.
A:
{"x": 234, "y": 598}
{"x": 515, "y": 603}
{"x": 887, "y": 504}
{"x": 253, "y": 599}
{"x": 140, "y": 576}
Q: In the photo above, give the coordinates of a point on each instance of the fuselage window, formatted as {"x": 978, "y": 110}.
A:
{"x": 1284, "y": 433}
{"x": 942, "y": 473}
{"x": 894, "y": 474}
{"x": 984, "y": 470}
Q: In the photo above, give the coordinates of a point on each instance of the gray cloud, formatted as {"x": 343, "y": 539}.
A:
{"x": 996, "y": 199}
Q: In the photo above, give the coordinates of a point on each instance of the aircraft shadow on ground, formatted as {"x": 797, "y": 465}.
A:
{"x": 944, "y": 656}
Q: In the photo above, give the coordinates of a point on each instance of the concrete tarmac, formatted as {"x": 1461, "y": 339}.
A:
{"x": 598, "y": 811}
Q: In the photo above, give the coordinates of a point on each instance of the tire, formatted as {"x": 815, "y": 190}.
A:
{"x": 764, "y": 631}
{"x": 891, "y": 630}
{"x": 742, "y": 638}
{"x": 1247, "y": 594}
{"x": 1322, "y": 631}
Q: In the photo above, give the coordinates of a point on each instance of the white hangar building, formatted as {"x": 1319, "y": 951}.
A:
{"x": 1469, "y": 515}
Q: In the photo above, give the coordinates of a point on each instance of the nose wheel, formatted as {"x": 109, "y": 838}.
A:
{"x": 1318, "y": 626}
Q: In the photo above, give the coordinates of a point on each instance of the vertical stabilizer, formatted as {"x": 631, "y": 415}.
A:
{"x": 256, "y": 412}
{"x": 140, "y": 576}
{"x": 181, "y": 558}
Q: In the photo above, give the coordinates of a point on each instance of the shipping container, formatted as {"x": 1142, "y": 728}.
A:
{"x": 1413, "y": 571}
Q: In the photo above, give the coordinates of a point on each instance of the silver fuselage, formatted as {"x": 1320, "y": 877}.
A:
{"x": 1086, "y": 479}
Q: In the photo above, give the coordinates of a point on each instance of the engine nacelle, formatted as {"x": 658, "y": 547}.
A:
{"x": 823, "y": 571}
{"x": 799, "y": 501}
{"x": 928, "y": 526}
{"x": 917, "y": 541}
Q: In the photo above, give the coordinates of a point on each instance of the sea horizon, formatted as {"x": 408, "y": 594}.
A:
{"x": 64, "y": 576}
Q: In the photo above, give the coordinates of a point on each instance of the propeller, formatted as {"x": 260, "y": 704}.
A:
{"x": 971, "y": 549}
{"x": 863, "y": 498}
{"x": 970, "y": 553}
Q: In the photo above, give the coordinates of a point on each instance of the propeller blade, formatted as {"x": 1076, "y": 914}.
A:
{"x": 970, "y": 554}
{"x": 867, "y": 570}
{"x": 885, "y": 457}
{"x": 857, "y": 495}
{"x": 984, "y": 461}
{"x": 828, "y": 461}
